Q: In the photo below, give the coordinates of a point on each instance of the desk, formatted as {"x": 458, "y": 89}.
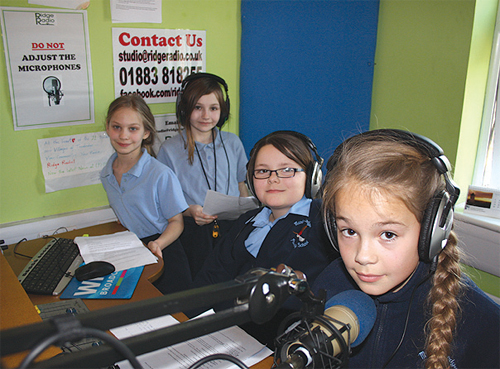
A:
{"x": 17, "y": 307}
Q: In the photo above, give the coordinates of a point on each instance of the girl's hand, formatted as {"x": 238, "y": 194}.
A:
{"x": 155, "y": 248}
{"x": 199, "y": 216}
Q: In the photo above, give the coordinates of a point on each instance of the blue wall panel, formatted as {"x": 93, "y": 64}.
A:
{"x": 307, "y": 66}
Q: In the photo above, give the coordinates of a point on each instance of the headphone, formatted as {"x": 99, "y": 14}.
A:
{"x": 314, "y": 175}
{"x": 438, "y": 216}
{"x": 180, "y": 104}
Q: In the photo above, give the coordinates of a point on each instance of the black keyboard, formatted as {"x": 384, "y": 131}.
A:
{"x": 52, "y": 268}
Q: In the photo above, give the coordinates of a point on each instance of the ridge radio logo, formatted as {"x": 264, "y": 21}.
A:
{"x": 45, "y": 19}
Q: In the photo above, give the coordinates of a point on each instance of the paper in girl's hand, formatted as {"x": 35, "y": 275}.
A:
{"x": 228, "y": 207}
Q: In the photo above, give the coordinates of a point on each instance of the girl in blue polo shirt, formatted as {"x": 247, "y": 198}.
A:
{"x": 204, "y": 158}
{"x": 145, "y": 194}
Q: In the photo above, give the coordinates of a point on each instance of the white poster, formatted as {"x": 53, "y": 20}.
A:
{"x": 73, "y": 161}
{"x": 154, "y": 62}
{"x": 136, "y": 11}
{"x": 48, "y": 66}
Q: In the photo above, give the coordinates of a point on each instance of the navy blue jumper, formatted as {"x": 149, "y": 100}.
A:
{"x": 297, "y": 241}
{"x": 476, "y": 340}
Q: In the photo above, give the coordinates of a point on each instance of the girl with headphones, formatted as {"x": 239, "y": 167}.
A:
{"x": 285, "y": 177}
{"x": 388, "y": 208}
{"x": 204, "y": 158}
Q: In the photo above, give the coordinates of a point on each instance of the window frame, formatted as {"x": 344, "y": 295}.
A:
{"x": 487, "y": 164}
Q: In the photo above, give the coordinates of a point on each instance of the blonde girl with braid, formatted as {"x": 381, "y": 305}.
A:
{"x": 388, "y": 208}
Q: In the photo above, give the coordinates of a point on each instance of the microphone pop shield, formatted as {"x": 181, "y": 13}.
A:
{"x": 323, "y": 341}
{"x": 363, "y": 308}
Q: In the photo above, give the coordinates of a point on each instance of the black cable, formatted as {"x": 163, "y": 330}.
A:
{"x": 407, "y": 318}
{"x": 228, "y": 165}
{"x": 214, "y": 357}
{"x": 215, "y": 163}
{"x": 18, "y": 253}
{"x": 60, "y": 336}
{"x": 203, "y": 168}
{"x": 55, "y": 232}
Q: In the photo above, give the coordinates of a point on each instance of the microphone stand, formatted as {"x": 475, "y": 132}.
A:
{"x": 258, "y": 294}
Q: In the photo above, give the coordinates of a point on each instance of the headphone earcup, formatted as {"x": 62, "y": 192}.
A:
{"x": 317, "y": 179}
{"x": 224, "y": 116}
{"x": 433, "y": 235}
{"x": 251, "y": 189}
{"x": 313, "y": 180}
{"x": 330, "y": 226}
{"x": 179, "y": 112}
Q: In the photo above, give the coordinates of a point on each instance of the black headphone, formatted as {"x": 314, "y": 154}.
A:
{"x": 314, "y": 174}
{"x": 438, "y": 216}
{"x": 180, "y": 105}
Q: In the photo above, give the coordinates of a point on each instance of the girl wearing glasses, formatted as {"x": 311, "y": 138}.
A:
{"x": 287, "y": 228}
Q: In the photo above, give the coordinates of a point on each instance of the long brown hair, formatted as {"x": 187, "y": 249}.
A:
{"x": 386, "y": 165}
{"x": 137, "y": 103}
{"x": 194, "y": 90}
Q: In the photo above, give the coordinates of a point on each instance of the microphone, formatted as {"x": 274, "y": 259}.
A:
{"x": 347, "y": 321}
{"x": 52, "y": 86}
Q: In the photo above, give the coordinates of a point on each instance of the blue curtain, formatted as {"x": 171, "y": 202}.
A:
{"x": 307, "y": 65}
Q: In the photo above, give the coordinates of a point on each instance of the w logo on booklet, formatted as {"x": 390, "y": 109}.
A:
{"x": 117, "y": 285}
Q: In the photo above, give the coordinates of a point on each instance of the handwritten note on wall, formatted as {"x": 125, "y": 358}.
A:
{"x": 73, "y": 161}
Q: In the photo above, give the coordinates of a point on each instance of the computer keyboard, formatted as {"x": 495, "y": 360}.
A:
{"x": 52, "y": 268}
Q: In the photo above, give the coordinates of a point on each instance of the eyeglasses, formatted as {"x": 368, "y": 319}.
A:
{"x": 280, "y": 173}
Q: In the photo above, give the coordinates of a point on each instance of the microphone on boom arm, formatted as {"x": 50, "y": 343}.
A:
{"x": 325, "y": 341}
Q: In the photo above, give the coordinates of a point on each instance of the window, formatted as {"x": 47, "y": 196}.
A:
{"x": 487, "y": 167}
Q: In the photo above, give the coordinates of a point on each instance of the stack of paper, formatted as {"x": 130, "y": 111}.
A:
{"x": 232, "y": 341}
{"x": 123, "y": 249}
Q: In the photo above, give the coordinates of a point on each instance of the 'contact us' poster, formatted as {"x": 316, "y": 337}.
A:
{"x": 48, "y": 66}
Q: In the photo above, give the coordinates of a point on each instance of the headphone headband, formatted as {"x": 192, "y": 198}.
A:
{"x": 314, "y": 172}
{"x": 437, "y": 220}
{"x": 180, "y": 105}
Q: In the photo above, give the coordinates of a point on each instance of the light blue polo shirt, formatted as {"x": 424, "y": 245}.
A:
{"x": 148, "y": 196}
{"x": 231, "y": 165}
{"x": 263, "y": 225}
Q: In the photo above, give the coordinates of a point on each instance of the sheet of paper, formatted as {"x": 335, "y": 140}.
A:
{"x": 123, "y": 249}
{"x": 233, "y": 341}
{"x": 134, "y": 11}
{"x": 68, "y": 4}
{"x": 228, "y": 207}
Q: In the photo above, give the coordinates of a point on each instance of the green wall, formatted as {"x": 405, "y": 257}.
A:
{"x": 432, "y": 62}
{"x": 421, "y": 66}
{"x": 22, "y": 188}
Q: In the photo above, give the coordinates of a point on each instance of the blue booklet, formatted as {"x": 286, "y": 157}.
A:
{"x": 117, "y": 285}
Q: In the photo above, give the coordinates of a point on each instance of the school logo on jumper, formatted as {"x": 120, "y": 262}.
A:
{"x": 299, "y": 240}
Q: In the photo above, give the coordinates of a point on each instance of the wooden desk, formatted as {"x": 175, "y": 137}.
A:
{"x": 17, "y": 307}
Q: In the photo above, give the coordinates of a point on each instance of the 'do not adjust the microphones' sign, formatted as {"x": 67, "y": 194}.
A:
{"x": 48, "y": 65}
{"x": 154, "y": 62}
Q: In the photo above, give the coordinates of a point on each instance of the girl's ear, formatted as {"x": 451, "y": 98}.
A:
{"x": 146, "y": 134}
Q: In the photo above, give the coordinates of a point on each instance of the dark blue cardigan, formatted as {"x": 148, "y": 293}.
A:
{"x": 310, "y": 253}
{"x": 476, "y": 340}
